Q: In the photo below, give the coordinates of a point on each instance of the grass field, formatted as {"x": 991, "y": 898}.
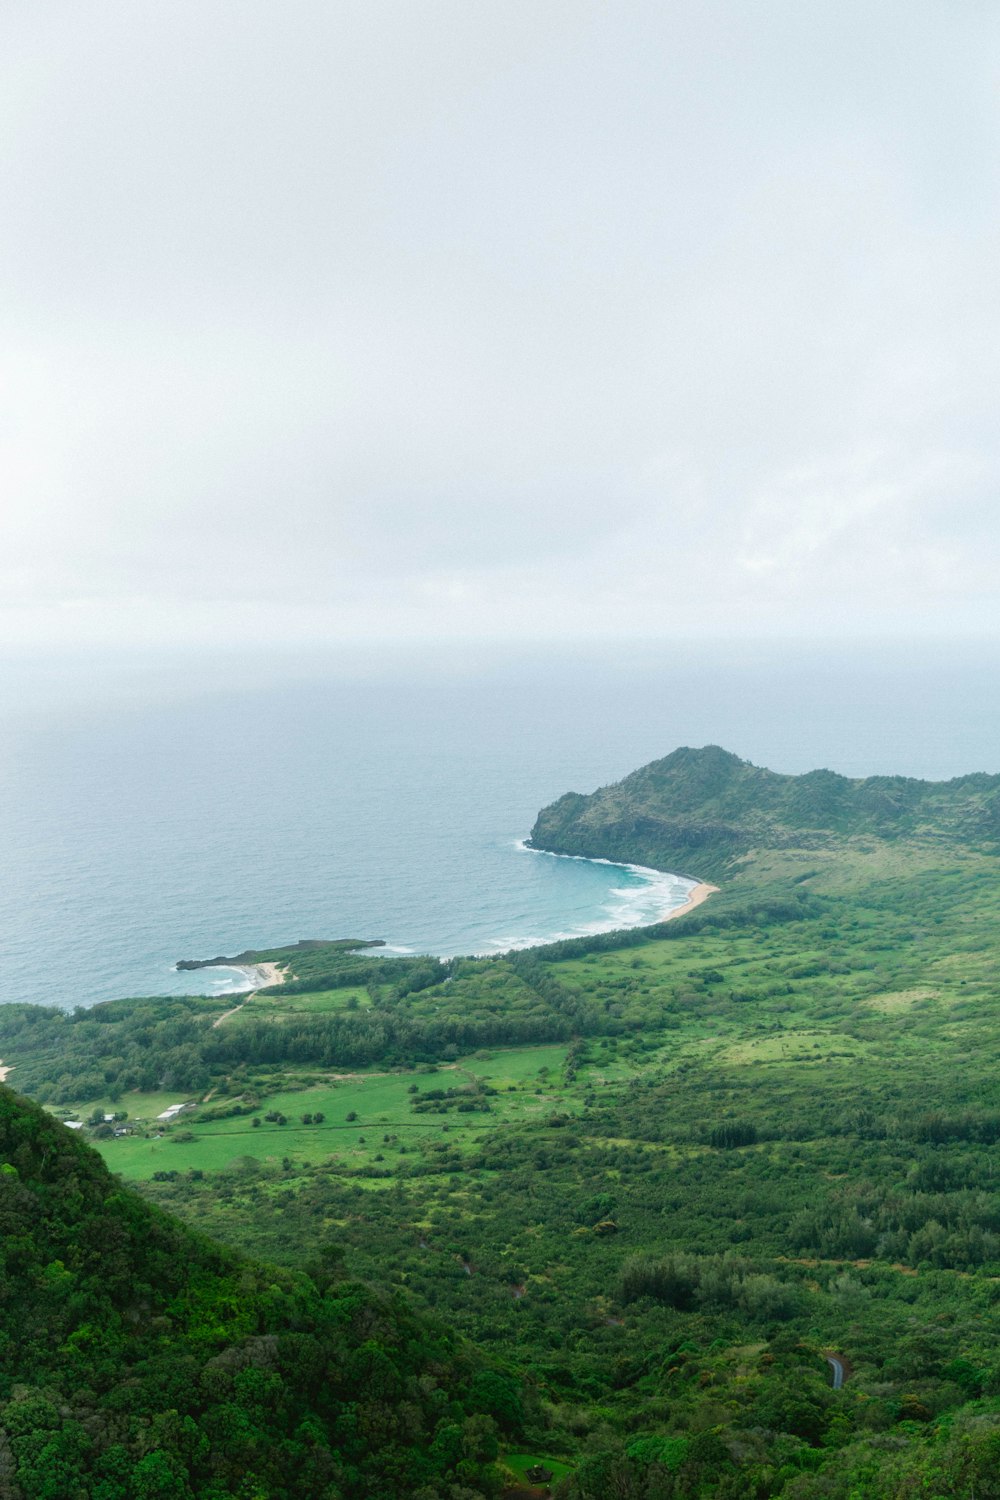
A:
{"x": 144, "y": 1107}
{"x": 279, "y": 1007}
{"x": 528, "y": 1082}
{"x": 519, "y": 1463}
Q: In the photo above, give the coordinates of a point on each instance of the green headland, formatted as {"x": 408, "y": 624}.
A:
{"x": 709, "y": 811}
{"x": 634, "y": 1191}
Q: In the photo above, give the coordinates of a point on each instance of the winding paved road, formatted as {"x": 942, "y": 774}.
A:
{"x": 837, "y": 1367}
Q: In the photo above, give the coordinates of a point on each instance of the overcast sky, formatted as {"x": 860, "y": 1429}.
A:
{"x": 326, "y": 320}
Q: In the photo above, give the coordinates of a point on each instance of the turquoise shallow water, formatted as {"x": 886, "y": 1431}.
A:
{"x": 155, "y": 811}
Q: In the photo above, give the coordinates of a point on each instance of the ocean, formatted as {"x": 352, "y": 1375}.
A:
{"x": 163, "y": 808}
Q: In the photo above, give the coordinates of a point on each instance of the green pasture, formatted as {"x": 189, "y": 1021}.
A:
{"x": 145, "y": 1107}
{"x": 797, "y": 1046}
{"x": 215, "y": 1149}
{"x": 518, "y": 1066}
{"x": 273, "y": 1006}
{"x": 528, "y": 1083}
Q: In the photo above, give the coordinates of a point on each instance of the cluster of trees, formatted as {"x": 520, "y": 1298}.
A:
{"x": 686, "y": 1281}
{"x": 79, "y": 1055}
{"x": 724, "y": 915}
{"x": 406, "y": 976}
{"x": 957, "y": 1230}
{"x": 467, "y": 1100}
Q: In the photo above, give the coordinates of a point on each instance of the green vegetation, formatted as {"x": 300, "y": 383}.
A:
{"x": 138, "y": 1361}
{"x": 309, "y": 953}
{"x": 654, "y": 1177}
{"x": 707, "y": 810}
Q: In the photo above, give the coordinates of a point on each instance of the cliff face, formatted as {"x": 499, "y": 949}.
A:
{"x": 702, "y": 811}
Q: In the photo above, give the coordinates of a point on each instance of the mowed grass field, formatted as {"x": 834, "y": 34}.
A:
{"x": 278, "y": 1007}
{"x": 529, "y": 1084}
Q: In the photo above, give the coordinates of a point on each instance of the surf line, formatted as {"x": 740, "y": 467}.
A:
{"x": 697, "y": 892}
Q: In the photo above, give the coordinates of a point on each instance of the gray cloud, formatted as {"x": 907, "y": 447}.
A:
{"x": 465, "y": 319}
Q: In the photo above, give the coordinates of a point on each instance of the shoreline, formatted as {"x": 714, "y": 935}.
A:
{"x": 700, "y": 893}
{"x": 261, "y": 975}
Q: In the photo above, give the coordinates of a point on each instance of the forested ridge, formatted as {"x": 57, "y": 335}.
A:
{"x": 597, "y": 1213}
{"x": 139, "y": 1359}
{"x": 706, "y": 810}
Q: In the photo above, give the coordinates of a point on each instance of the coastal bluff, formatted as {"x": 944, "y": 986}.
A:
{"x": 707, "y": 813}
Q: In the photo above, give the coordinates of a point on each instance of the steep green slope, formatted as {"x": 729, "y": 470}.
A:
{"x": 706, "y": 811}
{"x": 138, "y": 1360}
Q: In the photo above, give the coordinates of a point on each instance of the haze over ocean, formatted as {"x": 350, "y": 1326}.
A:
{"x": 150, "y": 812}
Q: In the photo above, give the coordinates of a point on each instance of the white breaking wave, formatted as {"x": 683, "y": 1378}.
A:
{"x": 653, "y": 897}
{"x": 219, "y": 982}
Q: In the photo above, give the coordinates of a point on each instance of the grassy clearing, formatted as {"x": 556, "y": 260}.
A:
{"x": 214, "y": 1150}
{"x": 518, "y": 1066}
{"x": 901, "y": 1000}
{"x": 278, "y": 1007}
{"x": 521, "y": 1462}
{"x": 798, "y": 1046}
{"x": 369, "y": 1120}
{"x": 145, "y": 1107}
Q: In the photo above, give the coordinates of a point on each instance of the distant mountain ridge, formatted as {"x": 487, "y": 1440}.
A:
{"x": 703, "y": 811}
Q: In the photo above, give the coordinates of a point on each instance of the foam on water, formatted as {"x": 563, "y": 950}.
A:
{"x": 650, "y": 897}
{"x": 238, "y": 982}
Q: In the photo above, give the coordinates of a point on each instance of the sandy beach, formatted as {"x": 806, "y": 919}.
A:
{"x": 701, "y": 893}
{"x": 261, "y": 975}
{"x": 4, "y": 1070}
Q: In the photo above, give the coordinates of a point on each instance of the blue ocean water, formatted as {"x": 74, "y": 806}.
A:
{"x": 159, "y": 809}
